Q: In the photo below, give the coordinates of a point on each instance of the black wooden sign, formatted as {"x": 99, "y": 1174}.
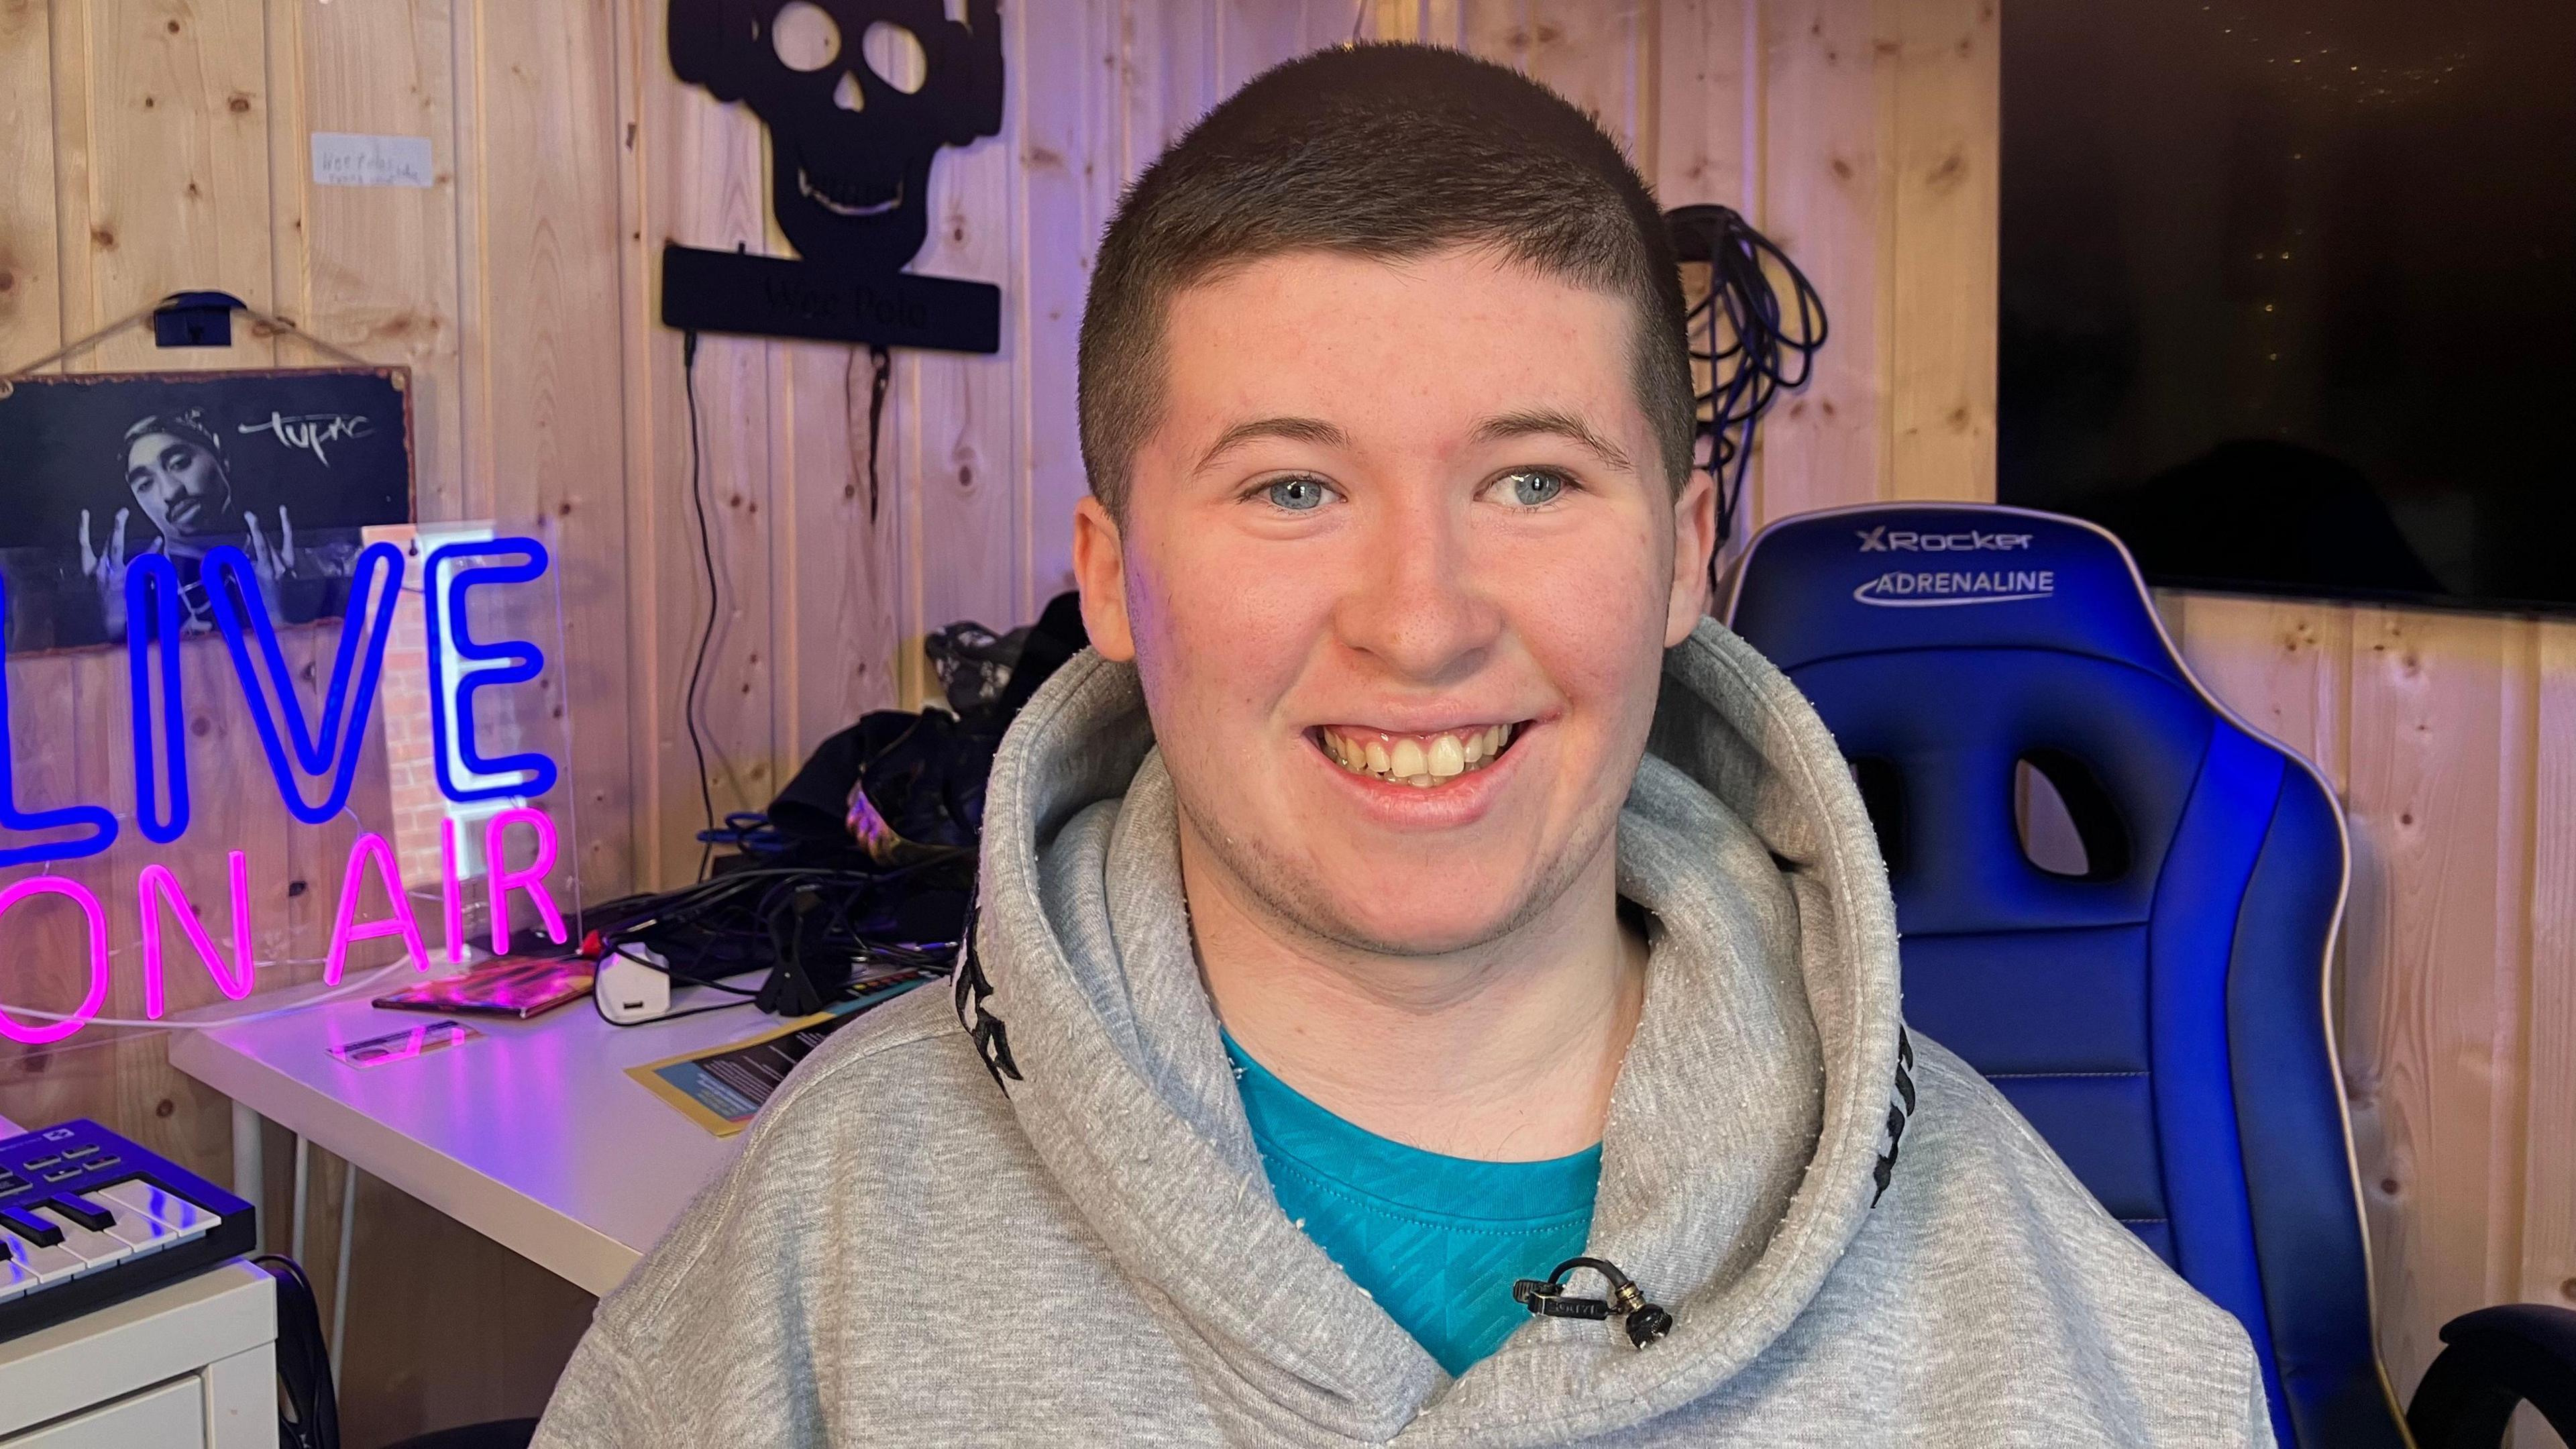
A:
{"x": 859, "y": 97}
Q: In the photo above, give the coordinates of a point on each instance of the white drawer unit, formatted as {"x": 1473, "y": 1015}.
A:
{"x": 172, "y": 1416}
{"x": 189, "y": 1365}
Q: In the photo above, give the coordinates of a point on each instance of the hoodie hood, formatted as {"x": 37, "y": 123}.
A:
{"x": 1749, "y": 1131}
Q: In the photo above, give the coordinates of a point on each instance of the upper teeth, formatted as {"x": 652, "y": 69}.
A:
{"x": 1422, "y": 760}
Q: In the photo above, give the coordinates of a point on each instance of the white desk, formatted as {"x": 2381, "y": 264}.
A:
{"x": 533, "y": 1135}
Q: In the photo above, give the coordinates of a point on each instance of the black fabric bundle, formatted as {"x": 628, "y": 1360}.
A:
{"x": 905, "y": 787}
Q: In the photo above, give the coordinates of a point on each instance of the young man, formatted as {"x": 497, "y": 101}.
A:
{"x": 1413, "y": 893}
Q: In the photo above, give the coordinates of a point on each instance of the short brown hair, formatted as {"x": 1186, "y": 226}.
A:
{"x": 1384, "y": 151}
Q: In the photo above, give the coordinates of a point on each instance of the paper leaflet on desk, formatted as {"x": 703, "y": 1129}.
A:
{"x": 405, "y": 1044}
{"x": 722, "y": 1088}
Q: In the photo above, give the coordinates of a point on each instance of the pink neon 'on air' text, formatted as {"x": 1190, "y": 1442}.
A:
{"x": 532, "y": 880}
{"x": 157, "y": 886}
{"x": 97, "y": 915}
{"x": 158, "y": 890}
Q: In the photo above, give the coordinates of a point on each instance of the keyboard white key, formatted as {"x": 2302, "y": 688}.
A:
{"x": 137, "y": 1231}
{"x": 25, "y": 1267}
{"x": 96, "y": 1250}
{"x": 180, "y": 1219}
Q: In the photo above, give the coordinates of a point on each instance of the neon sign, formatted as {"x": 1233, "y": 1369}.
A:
{"x": 296, "y": 745}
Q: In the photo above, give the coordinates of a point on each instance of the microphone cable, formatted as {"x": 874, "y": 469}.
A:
{"x": 1754, "y": 346}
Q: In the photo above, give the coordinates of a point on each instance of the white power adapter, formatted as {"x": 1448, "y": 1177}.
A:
{"x": 633, "y": 984}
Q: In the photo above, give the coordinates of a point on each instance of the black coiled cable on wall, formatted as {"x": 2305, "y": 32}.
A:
{"x": 1754, "y": 347}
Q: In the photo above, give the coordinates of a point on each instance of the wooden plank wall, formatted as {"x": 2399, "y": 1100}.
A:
{"x": 2451, "y": 738}
{"x": 150, "y": 145}
{"x": 1789, "y": 111}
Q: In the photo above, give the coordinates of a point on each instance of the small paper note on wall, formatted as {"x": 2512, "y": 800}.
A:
{"x": 342, "y": 159}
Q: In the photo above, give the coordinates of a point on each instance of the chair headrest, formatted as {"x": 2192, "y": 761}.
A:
{"x": 1913, "y": 576}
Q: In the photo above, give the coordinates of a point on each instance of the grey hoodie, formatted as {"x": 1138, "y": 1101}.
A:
{"x": 1030, "y": 1212}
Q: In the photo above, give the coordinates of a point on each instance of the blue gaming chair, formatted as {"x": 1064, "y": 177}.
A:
{"x": 2154, "y": 997}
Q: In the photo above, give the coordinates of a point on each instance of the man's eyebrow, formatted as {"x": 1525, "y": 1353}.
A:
{"x": 1552, "y": 422}
{"x": 1295, "y": 430}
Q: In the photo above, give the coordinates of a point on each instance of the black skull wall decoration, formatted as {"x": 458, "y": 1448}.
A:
{"x": 859, "y": 97}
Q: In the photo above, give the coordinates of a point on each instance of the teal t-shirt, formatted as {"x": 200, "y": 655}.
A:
{"x": 1437, "y": 1241}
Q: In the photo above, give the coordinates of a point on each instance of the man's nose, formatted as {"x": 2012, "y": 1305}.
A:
{"x": 1417, "y": 604}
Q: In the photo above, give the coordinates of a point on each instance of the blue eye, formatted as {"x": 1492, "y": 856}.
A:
{"x": 1532, "y": 487}
{"x": 1297, "y": 495}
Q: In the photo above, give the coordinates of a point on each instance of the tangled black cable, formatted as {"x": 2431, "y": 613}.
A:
{"x": 715, "y": 600}
{"x": 880, "y": 374}
{"x": 308, "y": 1405}
{"x": 813, "y": 929}
{"x": 881, "y": 367}
{"x": 1752, "y": 358}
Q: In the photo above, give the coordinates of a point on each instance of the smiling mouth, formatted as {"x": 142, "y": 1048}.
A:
{"x": 1424, "y": 761}
{"x": 806, "y": 187}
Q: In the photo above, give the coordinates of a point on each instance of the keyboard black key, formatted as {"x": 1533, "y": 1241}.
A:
{"x": 84, "y": 1212}
{"x": 39, "y": 1164}
{"x": 84, "y": 1150}
{"x": 99, "y": 1251}
{"x": 26, "y": 1268}
{"x": 34, "y": 1229}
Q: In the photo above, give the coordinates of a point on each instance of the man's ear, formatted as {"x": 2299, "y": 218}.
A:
{"x": 1694, "y": 541}
{"x": 1100, "y": 572}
